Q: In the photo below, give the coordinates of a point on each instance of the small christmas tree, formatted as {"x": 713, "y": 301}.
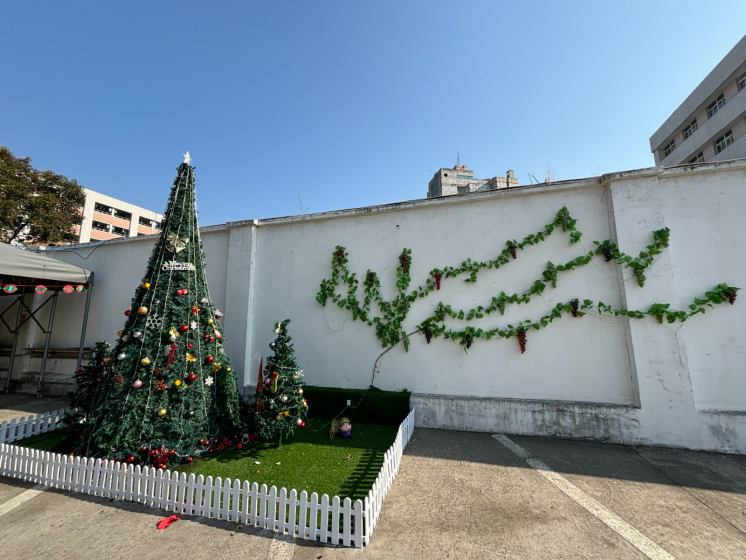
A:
{"x": 280, "y": 403}
{"x": 87, "y": 389}
{"x": 168, "y": 393}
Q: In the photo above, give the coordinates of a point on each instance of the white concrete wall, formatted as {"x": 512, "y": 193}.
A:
{"x": 601, "y": 378}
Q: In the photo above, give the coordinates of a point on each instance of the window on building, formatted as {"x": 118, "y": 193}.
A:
{"x": 724, "y": 141}
{"x": 139, "y": 234}
{"x": 122, "y": 215}
{"x": 689, "y": 130}
{"x": 716, "y": 105}
{"x": 120, "y": 231}
{"x": 699, "y": 158}
{"x": 670, "y": 147}
{"x": 742, "y": 82}
{"x": 99, "y": 226}
{"x": 462, "y": 190}
{"x": 102, "y": 208}
{"x": 145, "y": 222}
{"x": 157, "y": 225}
{"x": 464, "y": 177}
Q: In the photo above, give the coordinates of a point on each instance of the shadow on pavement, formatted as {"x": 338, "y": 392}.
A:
{"x": 696, "y": 469}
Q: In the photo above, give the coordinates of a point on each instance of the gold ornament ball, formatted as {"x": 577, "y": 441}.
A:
{"x": 300, "y": 391}
{"x": 228, "y": 369}
{"x": 145, "y": 361}
{"x": 177, "y": 382}
{"x": 146, "y": 285}
{"x": 162, "y": 412}
{"x": 142, "y": 310}
{"x": 210, "y": 321}
{"x": 119, "y": 333}
{"x": 279, "y": 417}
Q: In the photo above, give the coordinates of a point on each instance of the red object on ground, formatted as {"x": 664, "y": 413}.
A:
{"x": 166, "y": 522}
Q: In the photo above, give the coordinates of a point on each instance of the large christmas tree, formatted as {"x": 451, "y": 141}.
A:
{"x": 168, "y": 393}
{"x": 280, "y": 406}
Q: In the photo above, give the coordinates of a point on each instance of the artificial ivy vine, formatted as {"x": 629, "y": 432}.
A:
{"x": 389, "y": 328}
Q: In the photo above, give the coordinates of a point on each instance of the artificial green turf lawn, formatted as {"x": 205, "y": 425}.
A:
{"x": 344, "y": 467}
{"x": 45, "y": 442}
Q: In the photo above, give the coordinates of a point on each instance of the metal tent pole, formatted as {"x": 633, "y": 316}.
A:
{"x": 46, "y": 343}
{"x": 15, "y": 339}
{"x": 85, "y": 320}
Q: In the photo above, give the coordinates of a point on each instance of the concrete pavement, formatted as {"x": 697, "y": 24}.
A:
{"x": 16, "y": 405}
{"x": 457, "y": 495}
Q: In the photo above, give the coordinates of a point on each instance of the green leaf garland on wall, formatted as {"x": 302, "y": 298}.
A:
{"x": 388, "y": 324}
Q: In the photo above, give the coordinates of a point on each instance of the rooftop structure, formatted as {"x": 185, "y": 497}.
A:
{"x": 710, "y": 125}
{"x": 458, "y": 180}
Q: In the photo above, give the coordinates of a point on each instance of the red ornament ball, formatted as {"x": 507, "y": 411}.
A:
{"x": 190, "y": 459}
{"x": 143, "y": 448}
{"x": 185, "y": 292}
{"x": 79, "y": 369}
{"x": 239, "y": 446}
{"x": 207, "y": 337}
{"x": 192, "y": 377}
{"x": 302, "y": 424}
{"x": 184, "y": 328}
{"x": 163, "y": 467}
{"x": 212, "y": 339}
{"x": 210, "y": 359}
{"x": 201, "y": 441}
{"x": 127, "y": 313}
{"x": 190, "y": 345}
{"x": 130, "y": 459}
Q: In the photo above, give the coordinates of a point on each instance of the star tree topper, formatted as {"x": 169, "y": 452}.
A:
{"x": 187, "y": 157}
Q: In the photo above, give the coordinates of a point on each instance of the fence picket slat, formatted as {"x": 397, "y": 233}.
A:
{"x": 225, "y": 493}
{"x": 255, "y": 505}
{"x": 293, "y": 501}
{"x": 200, "y": 496}
{"x": 303, "y": 517}
{"x": 234, "y": 513}
{"x": 346, "y": 521}
{"x": 245, "y": 503}
{"x": 335, "y": 520}
{"x": 357, "y": 531}
{"x": 271, "y": 520}
{"x": 324, "y": 521}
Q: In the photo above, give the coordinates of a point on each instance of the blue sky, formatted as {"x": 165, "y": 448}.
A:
{"x": 345, "y": 103}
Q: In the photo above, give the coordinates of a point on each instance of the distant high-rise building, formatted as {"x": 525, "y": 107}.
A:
{"x": 104, "y": 217}
{"x": 710, "y": 125}
{"x": 460, "y": 180}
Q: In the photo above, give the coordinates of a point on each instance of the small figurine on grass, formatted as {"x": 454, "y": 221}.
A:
{"x": 342, "y": 427}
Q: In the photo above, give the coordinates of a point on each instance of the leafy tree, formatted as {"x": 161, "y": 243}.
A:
{"x": 36, "y": 206}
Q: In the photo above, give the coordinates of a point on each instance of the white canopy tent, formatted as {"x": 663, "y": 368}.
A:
{"x": 21, "y": 271}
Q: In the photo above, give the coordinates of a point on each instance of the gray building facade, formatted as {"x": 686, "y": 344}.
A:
{"x": 710, "y": 125}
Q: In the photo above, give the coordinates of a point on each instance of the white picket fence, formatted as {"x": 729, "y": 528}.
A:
{"x": 331, "y": 521}
{"x": 385, "y": 478}
{"x": 31, "y": 426}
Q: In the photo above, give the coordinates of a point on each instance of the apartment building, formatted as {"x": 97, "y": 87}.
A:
{"x": 106, "y": 218}
{"x": 710, "y": 125}
{"x": 460, "y": 179}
